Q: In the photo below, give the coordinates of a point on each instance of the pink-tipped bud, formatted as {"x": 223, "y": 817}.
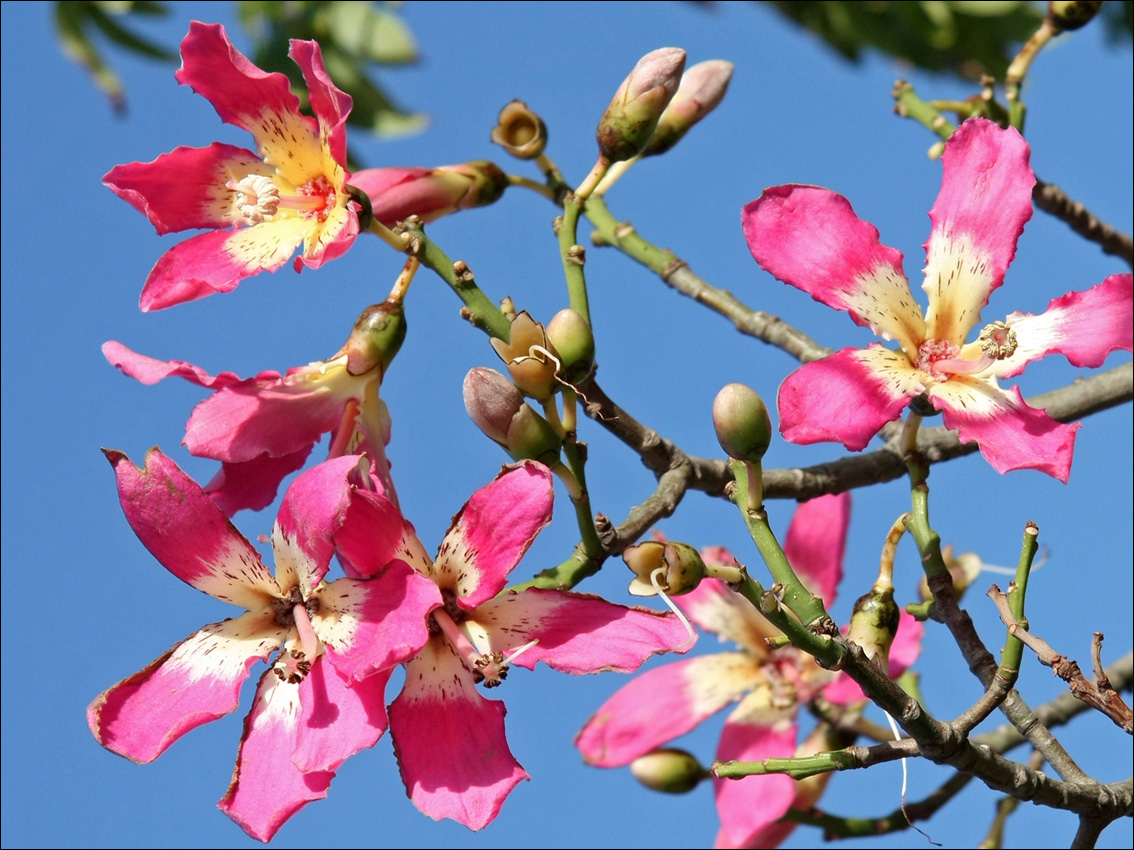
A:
{"x": 531, "y": 360}
{"x": 377, "y": 335}
{"x": 741, "y": 422}
{"x": 702, "y": 88}
{"x": 429, "y": 193}
{"x": 675, "y": 567}
{"x": 497, "y": 408}
{"x": 669, "y": 770}
{"x": 520, "y": 131}
{"x": 626, "y": 126}
{"x": 573, "y": 339}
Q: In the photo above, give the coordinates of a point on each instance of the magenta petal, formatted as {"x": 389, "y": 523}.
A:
{"x": 188, "y": 534}
{"x": 375, "y": 624}
{"x": 846, "y": 397}
{"x": 450, "y": 741}
{"x": 267, "y": 788}
{"x": 397, "y": 193}
{"x": 810, "y": 237}
{"x": 252, "y": 484}
{"x": 749, "y": 805}
{"x": 1083, "y": 326}
{"x": 816, "y": 542}
{"x": 330, "y": 104}
{"x": 493, "y": 531}
{"x": 662, "y": 704}
{"x": 1010, "y": 434}
{"x": 338, "y": 719}
{"x": 150, "y": 371}
{"x": 579, "y": 633}
{"x": 185, "y": 188}
{"x": 370, "y": 535}
{"x": 194, "y": 683}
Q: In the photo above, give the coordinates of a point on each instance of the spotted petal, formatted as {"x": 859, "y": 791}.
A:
{"x": 450, "y": 742}
{"x": 810, "y": 237}
{"x": 188, "y": 534}
{"x": 330, "y": 104}
{"x": 194, "y": 683}
{"x": 985, "y": 200}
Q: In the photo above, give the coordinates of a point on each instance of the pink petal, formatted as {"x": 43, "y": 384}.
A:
{"x": 1010, "y": 434}
{"x": 1083, "y": 326}
{"x": 397, "y": 193}
{"x": 194, "y": 683}
{"x": 810, "y": 237}
{"x": 188, "y": 534}
{"x": 985, "y": 199}
{"x": 816, "y": 542}
{"x": 218, "y": 261}
{"x": 185, "y": 188}
{"x": 252, "y": 484}
{"x": 338, "y": 718}
{"x": 329, "y": 240}
{"x": 846, "y": 397}
{"x": 578, "y": 633}
{"x": 716, "y": 608}
{"x": 330, "y": 104}
{"x": 492, "y": 532}
{"x": 450, "y": 742}
{"x": 903, "y": 653}
{"x": 662, "y": 704}
{"x": 747, "y": 806}
{"x": 371, "y": 536}
{"x": 150, "y": 371}
{"x": 374, "y": 624}
{"x": 267, "y": 788}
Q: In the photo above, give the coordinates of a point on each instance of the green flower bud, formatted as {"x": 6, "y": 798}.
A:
{"x": 741, "y": 422}
{"x": 873, "y": 624}
{"x": 571, "y": 336}
{"x": 376, "y": 338}
{"x": 669, "y": 770}
{"x": 1072, "y": 14}
{"x": 531, "y": 360}
{"x": 498, "y": 409}
{"x": 702, "y": 88}
{"x": 632, "y": 115}
{"x": 520, "y": 131}
{"x": 681, "y": 565}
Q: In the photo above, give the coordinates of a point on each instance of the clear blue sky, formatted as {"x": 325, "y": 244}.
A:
{"x": 85, "y": 605}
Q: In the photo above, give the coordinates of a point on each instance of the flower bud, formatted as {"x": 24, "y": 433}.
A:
{"x": 873, "y": 624}
{"x": 429, "y": 193}
{"x": 498, "y": 409}
{"x": 702, "y": 87}
{"x": 629, "y": 121}
{"x": 1072, "y": 14}
{"x": 520, "y": 131}
{"x": 741, "y": 422}
{"x": 570, "y": 334}
{"x": 530, "y": 358}
{"x": 669, "y": 770}
{"x": 377, "y": 335}
{"x": 681, "y": 566}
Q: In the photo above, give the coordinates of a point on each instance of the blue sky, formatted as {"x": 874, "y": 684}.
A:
{"x": 90, "y": 606}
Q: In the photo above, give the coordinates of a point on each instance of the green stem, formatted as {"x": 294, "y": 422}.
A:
{"x": 909, "y": 105}
{"x": 573, "y": 257}
{"x": 1013, "y": 651}
{"x": 928, "y": 541}
{"x": 820, "y": 647}
{"x": 799, "y": 767}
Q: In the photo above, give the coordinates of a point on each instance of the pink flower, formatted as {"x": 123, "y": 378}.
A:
{"x": 429, "y": 193}
{"x": 810, "y": 238}
{"x": 449, "y": 740}
{"x": 769, "y": 685}
{"x": 263, "y": 428}
{"x": 322, "y": 700}
{"x": 260, "y": 206}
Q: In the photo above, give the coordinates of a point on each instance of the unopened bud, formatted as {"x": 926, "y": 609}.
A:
{"x": 497, "y": 408}
{"x": 429, "y": 193}
{"x": 675, "y": 567}
{"x": 702, "y": 87}
{"x": 377, "y": 335}
{"x": 1072, "y": 14}
{"x": 633, "y": 114}
{"x": 520, "y": 131}
{"x": 669, "y": 770}
{"x": 741, "y": 422}
{"x": 571, "y": 336}
{"x": 874, "y": 621}
{"x": 531, "y": 360}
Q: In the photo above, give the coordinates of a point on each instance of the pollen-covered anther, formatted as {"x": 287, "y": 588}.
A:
{"x": 998, "y": 341}
{"x": 257, "y": 197}
{"x": 490, "y": 668}
{"x": 292, "y": 666}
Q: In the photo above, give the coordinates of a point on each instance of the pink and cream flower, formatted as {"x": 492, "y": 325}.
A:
{"x": 449, "y": 740}
{"x": 810, "y": 237}
{"x": 260, "y": 207}
{"x": 335, "y": 644}
{"x": 769, "y": 685}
